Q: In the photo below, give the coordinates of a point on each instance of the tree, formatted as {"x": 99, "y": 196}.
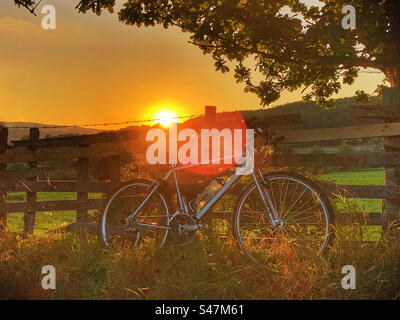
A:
{"x": 305, "y": 48}
{"x": 286, "y": 44}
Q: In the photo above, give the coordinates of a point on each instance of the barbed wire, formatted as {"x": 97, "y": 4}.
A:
{"x": 103, "y": 124}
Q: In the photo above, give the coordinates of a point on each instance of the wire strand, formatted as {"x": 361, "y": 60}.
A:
{"x": 103, "y": 124}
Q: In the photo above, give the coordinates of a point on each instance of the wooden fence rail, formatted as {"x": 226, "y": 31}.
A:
{"x": 126, "y": 145}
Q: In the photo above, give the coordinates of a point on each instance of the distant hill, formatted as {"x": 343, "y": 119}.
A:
{"x": 313, "y": 116}
{"x": 18, "y": 134}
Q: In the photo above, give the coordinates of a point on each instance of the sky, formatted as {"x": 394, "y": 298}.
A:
{"x": 95, "y": 69}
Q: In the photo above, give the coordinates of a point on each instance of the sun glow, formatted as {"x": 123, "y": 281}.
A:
{"x": 165, "y": 118}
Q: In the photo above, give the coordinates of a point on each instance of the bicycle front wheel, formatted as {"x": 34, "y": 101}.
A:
{"x": 149, "y": 227}
{"x": 303, "y": 225}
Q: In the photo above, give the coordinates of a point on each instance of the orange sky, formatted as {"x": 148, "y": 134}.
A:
{"x": 95, "y": 69}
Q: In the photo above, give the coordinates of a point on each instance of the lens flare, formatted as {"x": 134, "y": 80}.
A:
{"x": 165, "y": 118}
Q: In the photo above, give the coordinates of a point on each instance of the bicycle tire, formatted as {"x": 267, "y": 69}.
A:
{"x": 293, "y": 177}
{"x": 160, "y": 193}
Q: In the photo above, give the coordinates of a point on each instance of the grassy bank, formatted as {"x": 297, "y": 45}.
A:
{"x": 206, "y": 269}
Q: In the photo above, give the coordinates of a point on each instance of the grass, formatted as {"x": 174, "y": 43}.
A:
{"x": 208, "y": 268}
{"x": 45, "y": 220}
{"x": 358, "y": 177}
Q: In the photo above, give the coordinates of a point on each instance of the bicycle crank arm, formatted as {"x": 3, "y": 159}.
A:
{"x": 193, "y": 227}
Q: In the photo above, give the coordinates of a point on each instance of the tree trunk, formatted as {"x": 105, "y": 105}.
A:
{"x": 391, "y": 208}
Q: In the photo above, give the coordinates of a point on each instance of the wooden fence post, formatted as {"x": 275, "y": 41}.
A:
{"x": 3, "y": 168}
{"x": 29, "y": 216}
{"x": 391, "y": 208}
{"x": 83, "y": 176}
{"x": 115, "y": 172}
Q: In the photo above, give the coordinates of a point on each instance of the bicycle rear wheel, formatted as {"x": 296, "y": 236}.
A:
{"x": 150, "y": 225}
{"x": 304, "y": 224}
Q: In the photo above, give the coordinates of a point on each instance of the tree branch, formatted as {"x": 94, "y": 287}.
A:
{"x": 30, "y": 5}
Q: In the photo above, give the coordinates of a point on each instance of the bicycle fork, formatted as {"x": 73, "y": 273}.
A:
{"x": 263, "y": 187}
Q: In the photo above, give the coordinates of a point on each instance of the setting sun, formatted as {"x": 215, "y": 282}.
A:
{"x": 165, "y": 118}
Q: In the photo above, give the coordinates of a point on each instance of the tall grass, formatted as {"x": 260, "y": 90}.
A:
{"x": 208, "y": 268}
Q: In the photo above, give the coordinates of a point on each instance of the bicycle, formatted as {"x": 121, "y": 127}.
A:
{"x": 275, "y": 212}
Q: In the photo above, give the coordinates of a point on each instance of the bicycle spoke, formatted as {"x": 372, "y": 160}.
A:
{"x": 304, "y": 218}
{"x": 305, "y": 189}
{"x": 283, "y": 204}
{"x": 304, "y": 211}
{"x": 312, "y": 197}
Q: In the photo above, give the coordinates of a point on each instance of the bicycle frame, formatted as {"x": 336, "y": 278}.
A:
{"x": 256, "y": 174}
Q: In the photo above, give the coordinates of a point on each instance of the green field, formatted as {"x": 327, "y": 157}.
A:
{"x": 358, "y": 177}
{"x": 45, "y": 221}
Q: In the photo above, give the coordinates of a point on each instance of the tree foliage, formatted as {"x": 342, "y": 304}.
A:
{"x": 276, "y": 45}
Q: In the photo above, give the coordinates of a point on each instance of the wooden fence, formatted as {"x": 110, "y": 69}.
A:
{"x": 118, "y": 145}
